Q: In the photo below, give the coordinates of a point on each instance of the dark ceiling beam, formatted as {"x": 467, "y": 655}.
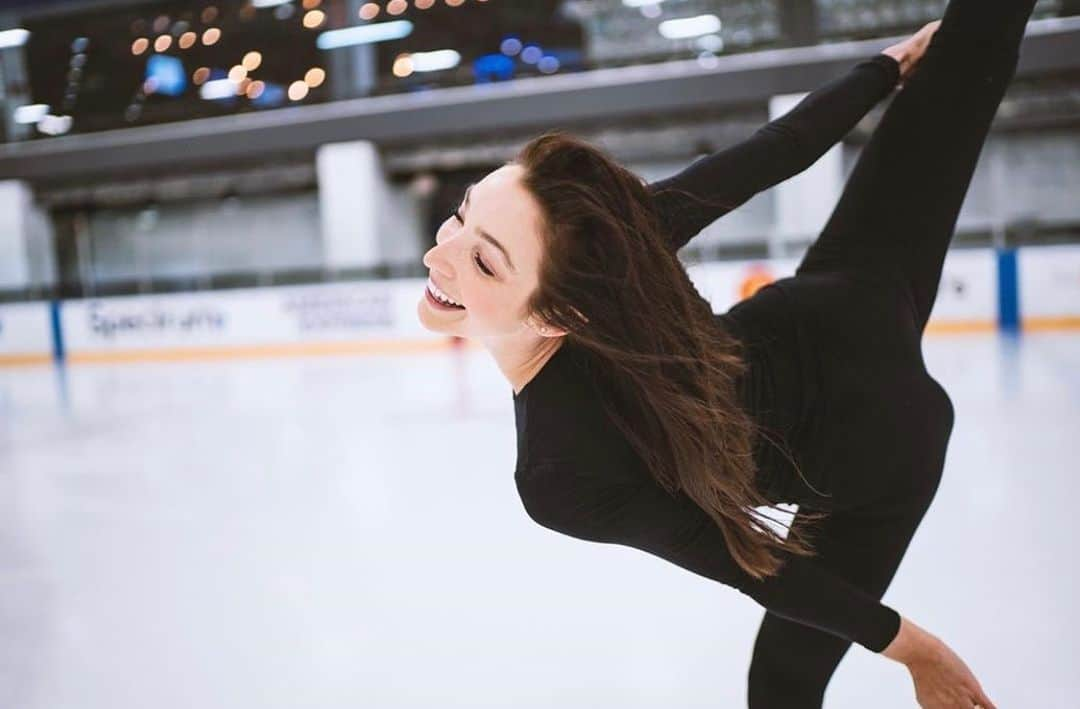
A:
{"x": 559, "y": 101}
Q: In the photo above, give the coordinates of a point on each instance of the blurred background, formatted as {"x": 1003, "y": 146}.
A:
{"x": 236, "y": 472}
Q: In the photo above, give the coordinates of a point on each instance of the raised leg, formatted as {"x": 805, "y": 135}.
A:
{"x": 901, "y": 201}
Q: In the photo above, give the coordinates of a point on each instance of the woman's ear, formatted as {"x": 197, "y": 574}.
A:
{"x": 545, "y": 330}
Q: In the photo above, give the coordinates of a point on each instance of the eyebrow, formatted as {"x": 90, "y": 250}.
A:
{"x": 488, "y": 237}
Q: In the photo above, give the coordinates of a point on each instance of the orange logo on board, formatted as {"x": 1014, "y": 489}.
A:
{"x": 757, "y": 277}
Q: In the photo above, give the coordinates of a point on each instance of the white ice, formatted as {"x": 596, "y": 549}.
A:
{"x": 345, "y": 532}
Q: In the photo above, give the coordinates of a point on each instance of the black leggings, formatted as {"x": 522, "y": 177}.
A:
{"x": 897, "y": 214}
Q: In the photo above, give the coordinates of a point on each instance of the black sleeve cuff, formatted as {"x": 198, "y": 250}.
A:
{"x": 889, "y": 65}
{"x": 885, "y": 630}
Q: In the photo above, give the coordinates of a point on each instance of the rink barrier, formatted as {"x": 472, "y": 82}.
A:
{"x": 1048, "y": 287}
{"x": 365, "y": 317}
{"x": 26, "y": 336}
{"x": 1033, "y": 289}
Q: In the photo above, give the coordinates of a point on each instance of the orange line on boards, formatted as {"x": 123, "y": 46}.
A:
{"x": 956, "y": 327}
{"x": 1064, "y": 322}
{"x": 298, "y": 349}
{"x": 19, "y": 360}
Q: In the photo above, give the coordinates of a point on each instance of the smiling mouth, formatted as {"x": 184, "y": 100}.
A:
{"x": 434, "y": 300}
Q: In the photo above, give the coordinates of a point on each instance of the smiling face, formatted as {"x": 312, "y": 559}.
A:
{"x": 488, "y": 261}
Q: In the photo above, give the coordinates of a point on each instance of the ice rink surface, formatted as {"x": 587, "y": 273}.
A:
{"x": 345, "y": 532}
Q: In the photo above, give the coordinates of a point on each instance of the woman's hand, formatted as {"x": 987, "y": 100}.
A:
{"x": 942, "y": 680}
{"x": 910, "y": 51}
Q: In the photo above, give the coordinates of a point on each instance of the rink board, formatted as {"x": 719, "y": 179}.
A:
{"x": 1049, "y": 287}
{"x": 25, "y": 333}
{"x": 967, "y": 299}
{"x": 381, "y": 316}
{"x": 363, "y": 317}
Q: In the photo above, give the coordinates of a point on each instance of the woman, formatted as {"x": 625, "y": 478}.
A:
{"x": 645, "y": 420}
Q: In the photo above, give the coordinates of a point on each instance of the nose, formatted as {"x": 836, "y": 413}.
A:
{"x": 437, "y": 259}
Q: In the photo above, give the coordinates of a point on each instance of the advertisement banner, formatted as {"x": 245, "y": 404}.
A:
{"x": 967, "y": 296}
{"x": 325, "y": 318}
{"x": 25, "y": 334}
{"x": 966, "y": 299}
{"x": 1049, "y": 284}
{"x": 724, "y": 283}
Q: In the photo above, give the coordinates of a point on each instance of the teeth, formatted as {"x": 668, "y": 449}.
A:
{"x": 440, "y": 295}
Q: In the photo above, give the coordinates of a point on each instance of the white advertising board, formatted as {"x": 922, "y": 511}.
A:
{"x": 966, "y": 299}
{"x": 724, "y": 283}
{"x": 25, "y": 333}
{"x": 282, "y": 319}
{"x": 1049, "y": 285}
{"x": 967, "y": 295}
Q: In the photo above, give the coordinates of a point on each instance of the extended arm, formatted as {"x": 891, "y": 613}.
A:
{"x": 782, "y": 148}
{"x": 645, "y": 517}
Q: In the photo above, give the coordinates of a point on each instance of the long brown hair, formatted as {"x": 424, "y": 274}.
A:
{"x": 609, "y": 277}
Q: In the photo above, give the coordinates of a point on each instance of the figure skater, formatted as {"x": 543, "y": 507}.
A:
{"x": 643, "y": 419}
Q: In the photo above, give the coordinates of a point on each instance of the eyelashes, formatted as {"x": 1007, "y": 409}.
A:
{"x": 456, "y": 214}
{"x": 481, "y": 266}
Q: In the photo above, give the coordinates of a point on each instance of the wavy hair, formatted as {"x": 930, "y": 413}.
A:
{"x": 610, "y": 278}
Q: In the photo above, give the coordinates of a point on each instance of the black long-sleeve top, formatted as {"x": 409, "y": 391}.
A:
{"x": 576, "y": 474}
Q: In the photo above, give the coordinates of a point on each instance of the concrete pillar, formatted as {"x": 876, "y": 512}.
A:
{"x": 352, "y": 71}
{"x": 805, "y": 201}
{"x": 352, "y": 190}
{"x": 26, "y": 239}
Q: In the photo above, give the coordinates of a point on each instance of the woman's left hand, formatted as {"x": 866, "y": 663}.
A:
{"x": 911, "y": 50}
{"x": 942, "y": 680}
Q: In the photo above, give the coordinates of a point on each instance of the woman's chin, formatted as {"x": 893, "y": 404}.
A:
{"x": 431, "y": 322}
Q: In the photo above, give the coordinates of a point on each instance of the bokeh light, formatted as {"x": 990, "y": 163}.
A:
{"x": 403, "y": 66}
{"x": 314, "y": 77}
{"x": 297, "y": 90}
